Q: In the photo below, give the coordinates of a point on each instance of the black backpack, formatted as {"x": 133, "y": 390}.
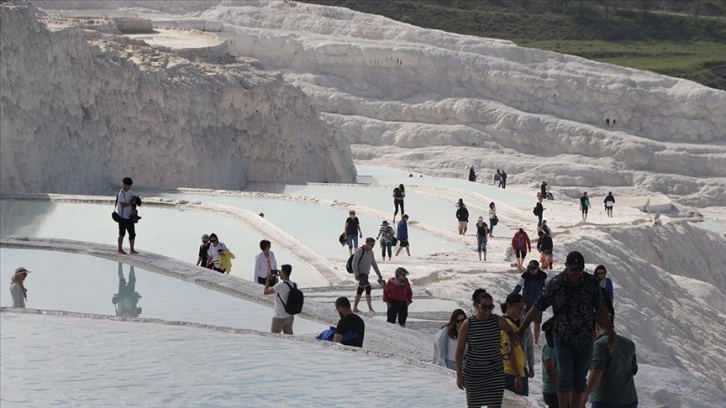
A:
{"x": 349, "y": 264}
{"x": 294, "y": 300}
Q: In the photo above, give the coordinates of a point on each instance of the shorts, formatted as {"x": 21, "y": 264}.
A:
{"x": 125, "y": 224}
{"x": 520, "y": 254}
{"x": 463, "y": 224}
{"x": 403, "y": 243}
{"x": 282, "y": 325}
{"x": 584, "y": 210}
{"x": 363, "y": 280}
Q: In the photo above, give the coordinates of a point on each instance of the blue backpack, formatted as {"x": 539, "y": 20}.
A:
{"x": 327, "y": 335}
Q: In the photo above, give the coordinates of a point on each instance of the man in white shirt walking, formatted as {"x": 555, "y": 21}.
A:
{"x": 124, "y": 201}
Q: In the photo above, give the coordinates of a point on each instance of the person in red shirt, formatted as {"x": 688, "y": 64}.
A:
{"x": 398, "y": 295}
{"x": 520, "y": 246}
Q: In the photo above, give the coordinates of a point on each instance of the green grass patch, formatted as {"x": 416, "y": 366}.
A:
{"x": 695, "y": 61}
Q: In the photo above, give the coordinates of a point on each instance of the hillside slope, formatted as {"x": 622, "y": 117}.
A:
{"x": 80, "y": 110}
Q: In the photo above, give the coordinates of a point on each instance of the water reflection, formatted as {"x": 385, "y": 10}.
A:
{"x": 127, "y": 299}
{"x": 23, "y": 217}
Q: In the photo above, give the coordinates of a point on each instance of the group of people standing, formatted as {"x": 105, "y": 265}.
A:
{"x": 491, "y": 352}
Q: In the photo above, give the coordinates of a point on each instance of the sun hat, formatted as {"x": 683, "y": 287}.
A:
{"x": 384, "y": 222}
{"x": 21, "y": 270}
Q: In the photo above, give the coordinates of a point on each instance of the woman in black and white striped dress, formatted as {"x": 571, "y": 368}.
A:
{"x": 482, "y": 372}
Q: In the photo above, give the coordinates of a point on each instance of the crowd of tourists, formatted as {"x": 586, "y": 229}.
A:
{"x": 489, "y": 352}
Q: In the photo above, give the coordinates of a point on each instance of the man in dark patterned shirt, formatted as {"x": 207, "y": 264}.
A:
{"x": 576, "y": 300}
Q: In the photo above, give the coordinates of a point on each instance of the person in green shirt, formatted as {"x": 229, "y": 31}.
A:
{"x": 610, "y": 383}
{"x": 549, "y": 369}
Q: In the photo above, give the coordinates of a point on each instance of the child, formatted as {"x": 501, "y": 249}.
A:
{"x": 398, "y": 295}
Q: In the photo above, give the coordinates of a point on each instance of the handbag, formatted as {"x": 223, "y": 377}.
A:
{"x": 114, "y": 214}
{"x": 394, "y": 241}
{"x": 495, "y": 221}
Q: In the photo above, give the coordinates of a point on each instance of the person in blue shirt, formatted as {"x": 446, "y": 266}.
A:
{"x": 402, "y": 235}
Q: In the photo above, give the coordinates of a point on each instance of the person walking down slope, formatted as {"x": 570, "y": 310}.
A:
{"x": 609, "y": 203}
{"x": 217, "y": 254}
{"x": 446, "y": 339}
{"x": 577, "y": 301}
{"x": 516, "y": 376}
{"x": 504, "y": 179}
{"x": 402, "y": 234}
{"x": 521, "y": 245}
{"x": 545, "y": 246}
{"x": 543, "y": 190}
{"x": 462, "y": 216}
{"x": 539, "y": 211}
{"x": 584, "y": 205}
{"x": 532, "y": 284}
{"x": 386, "y": 235}
{"x": 17, "y": 287}
{"x": 493, "y": 219}
{"x": 352, "y": 231}
{"x": 481, "y": 371}
{"x": 482, "y": 232}
{"x": 549, "y": 369}
{"x": 398, "y": 295}
{"x": 606, "y": 285}
{"x": 497, "y": 177}
{"x": 363, "y": 260}
{"x": 399, "y": 193}
{"x": 610, "y": 383}
{"x": 472, "y": 174}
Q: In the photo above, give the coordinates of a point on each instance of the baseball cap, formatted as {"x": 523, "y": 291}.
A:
{"x": 575, "y": 260}
{"x": 21, "y": 270}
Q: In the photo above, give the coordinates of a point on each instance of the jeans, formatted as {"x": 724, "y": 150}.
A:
{"x": 573, "y": 363}
{"x": 509, "y": 384}
{"x": 385, "y": 246}
{"x": 352, "y": 240}
{"x": 481, "y": 244}
{"x": 451, "y": 365}
{"x": 396, "y": 204}
{"x": 606, "y": 405}
{"x": 491, "y": 227}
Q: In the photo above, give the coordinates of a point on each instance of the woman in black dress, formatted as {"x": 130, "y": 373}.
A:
{"x": 481, "y": 373}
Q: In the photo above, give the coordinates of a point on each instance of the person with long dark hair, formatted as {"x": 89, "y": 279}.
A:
{"x": 446, "y": 339}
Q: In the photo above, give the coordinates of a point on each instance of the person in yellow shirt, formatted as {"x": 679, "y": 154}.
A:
{"x": 515, "y": 373}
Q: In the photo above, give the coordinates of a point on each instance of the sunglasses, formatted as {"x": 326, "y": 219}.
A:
{"x": 213, "y": 241}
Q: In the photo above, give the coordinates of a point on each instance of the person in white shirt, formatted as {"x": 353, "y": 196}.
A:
{"x": 265, "y": 263}
{"x": 215, "y": 248}
{"x": 124, "y": 201}
{"x": 17, "y": 288}
{"x": 281, "y": 320}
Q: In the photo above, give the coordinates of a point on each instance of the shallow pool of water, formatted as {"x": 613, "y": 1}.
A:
{"x": 111, "y": 363}
{"x": 166, "y": 231}
{"x": 87, "y": 284}
{"x": 317, "y": 226}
